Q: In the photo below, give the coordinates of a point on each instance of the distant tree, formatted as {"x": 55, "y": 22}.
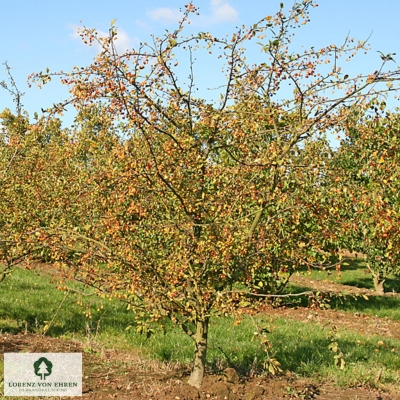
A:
{"x": 42, "y": 175}
{"x": 37, "y": 162}
{"x": 10, "y": 130}
{"x": 368, "y": 176}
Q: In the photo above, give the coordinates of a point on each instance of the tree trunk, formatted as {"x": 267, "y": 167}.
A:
{"x": 200, "y": 351}
{"x": 379, "y": 283}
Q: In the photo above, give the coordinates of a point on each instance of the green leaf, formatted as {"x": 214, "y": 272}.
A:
{"x": 271, "y": 369}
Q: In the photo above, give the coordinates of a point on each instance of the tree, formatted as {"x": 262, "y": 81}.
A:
{"x": 41, "y": 175}
{"x": 11, "y": 129}
{"x": 43, "y": 370}
{"x": 366, "y": 169}
{"x": 43, "y": 367}
{"x": 194, "y": 204}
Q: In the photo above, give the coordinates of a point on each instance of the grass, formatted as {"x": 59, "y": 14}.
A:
{"x": 354, "y": 272}
{"x": 382, "y": 307}
{"x": 30, "y": 303}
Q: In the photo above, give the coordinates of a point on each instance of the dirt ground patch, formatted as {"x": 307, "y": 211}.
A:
{"x": 108, "y": 374}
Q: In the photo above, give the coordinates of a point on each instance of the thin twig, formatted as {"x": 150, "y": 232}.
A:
{"x": 47, "y": 327}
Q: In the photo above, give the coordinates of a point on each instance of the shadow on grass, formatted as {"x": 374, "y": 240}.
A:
{"x": 391, "y": 284}
{"x": 30, "y": 303}
{"x": 381, "y": 306}
{"x": 354, "y": 272}
{"x": 311, "y": 356}
{"x": 349, "y": 264}
{"x": 353, "y": 264}
{"x": 69, "y": 321}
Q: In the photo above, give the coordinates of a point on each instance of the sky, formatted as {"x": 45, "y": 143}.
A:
{"x": 40, "y": 34}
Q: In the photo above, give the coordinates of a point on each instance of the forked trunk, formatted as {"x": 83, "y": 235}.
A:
{"x": 200, "y": 352}
{"x": 379, "y": 284}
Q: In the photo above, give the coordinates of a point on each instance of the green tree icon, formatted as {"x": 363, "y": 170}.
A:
{"x": 42, "y": 367}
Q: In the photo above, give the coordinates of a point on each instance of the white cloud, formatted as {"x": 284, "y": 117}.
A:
{"x": 122, "y": 43}
{"x": 165, "y": 15}
{"x": 142, "y": 24}
{"x": 75, "y": 31}
{"x": 222, "y": 11}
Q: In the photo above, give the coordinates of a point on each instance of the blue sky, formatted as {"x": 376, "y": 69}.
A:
{"x": 37, "y": 34}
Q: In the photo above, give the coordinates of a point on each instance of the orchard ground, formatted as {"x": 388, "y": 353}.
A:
{"x": 113, "y": 374}
{"x": 114, "y": 369}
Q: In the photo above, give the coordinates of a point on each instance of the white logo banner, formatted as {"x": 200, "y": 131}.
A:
{"x": 42, "y": 374}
